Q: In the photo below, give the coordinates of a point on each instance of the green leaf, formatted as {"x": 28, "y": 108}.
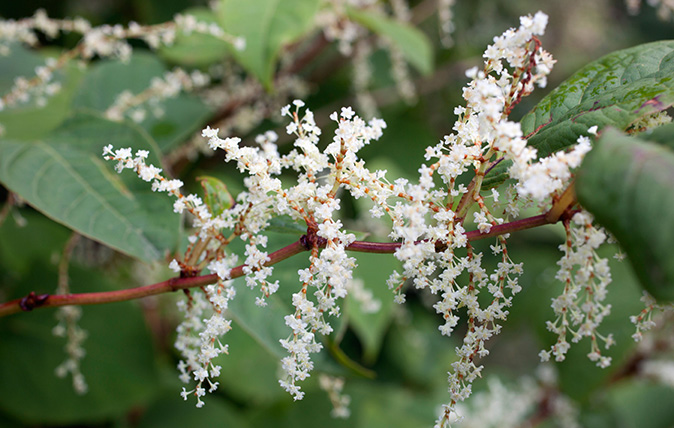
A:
{"x": 28, "y": 121}
{"x": 267, "y": 25}
{"x": 616, "y": 90}
{"x": 21, "y": 245}
{"x": 386, "y": 406}
{"x": 287, "y": 225}
{"x": 65, "y": 177}
{"x": 643, "y": 404}
{"x": 196, "y": 49}
{"x": 420, "y": 355}
{"x": 414, "y": 45}
{"x": 182, "y": 115}
{"x": 216, "y": 196}
{"x": 626, "y": 183}
{"x": 371, "y": 327}
{"x": 265, "y": 325}
{"x": 119, "y": 365}
{"x": 251, "y": 368}
{"x": 172, "y": 411}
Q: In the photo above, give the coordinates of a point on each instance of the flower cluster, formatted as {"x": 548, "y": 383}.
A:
{"x": 340, "y": 402}
{"x": 313, "y": 200}
{"x": 25, "y": 30}
{"x": 446, "y": 22}
{"x": 580, "y": 308}
{"x": 336, "y": 26}
{"x": 198, "y": 339}
{"x": 645, "y": 321}
{"x": 664, "y": 8}
{"x": 68, "y": 327}
{"x": 40, "y": 88}
{"x": 428, "y": 222}
{"x": 430, "y": 252}
{"x": 550, "y": 175}
{"x": 510, "y": 406}
{"x": 160, "y": 89}
{"x": 149, "y": 173}
{"x": 104, "y": 41}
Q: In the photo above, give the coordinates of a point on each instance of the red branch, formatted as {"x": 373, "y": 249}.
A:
{"x": 33, "y": 301}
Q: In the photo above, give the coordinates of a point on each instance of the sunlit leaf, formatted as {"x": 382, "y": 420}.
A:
{"x": 266, "y": 25}
{"x": 216, "y": 196}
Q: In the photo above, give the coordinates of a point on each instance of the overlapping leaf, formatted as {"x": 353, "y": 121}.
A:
{"x": 627, "y": 184}
{"x": 65, "y": 177}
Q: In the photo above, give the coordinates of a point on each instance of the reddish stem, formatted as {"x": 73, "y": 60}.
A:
{"x": 32, "y": 301}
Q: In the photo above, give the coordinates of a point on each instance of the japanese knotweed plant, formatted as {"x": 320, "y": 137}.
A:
{"x": 473, "y": 185}
{"x": 428, "y": 221}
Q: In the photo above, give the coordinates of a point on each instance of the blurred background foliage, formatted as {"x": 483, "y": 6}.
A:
{"x": 395, "y": 362}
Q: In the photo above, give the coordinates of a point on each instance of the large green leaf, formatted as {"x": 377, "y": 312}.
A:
{"x": 251, "y": 368}
{"x": 616, "y": 90}
{"x": 182, "y": 115}
{"x": 419, "y": 354}
{"x": 413, "y": 44}
{"x": 29, "y": 120}
{"x": 627, "y": 184}
{"x": 65, "y": 177}
{"x": 264, "y": 324}
{"x": 119, "y": 365}
{"x": 267, "y": 25}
